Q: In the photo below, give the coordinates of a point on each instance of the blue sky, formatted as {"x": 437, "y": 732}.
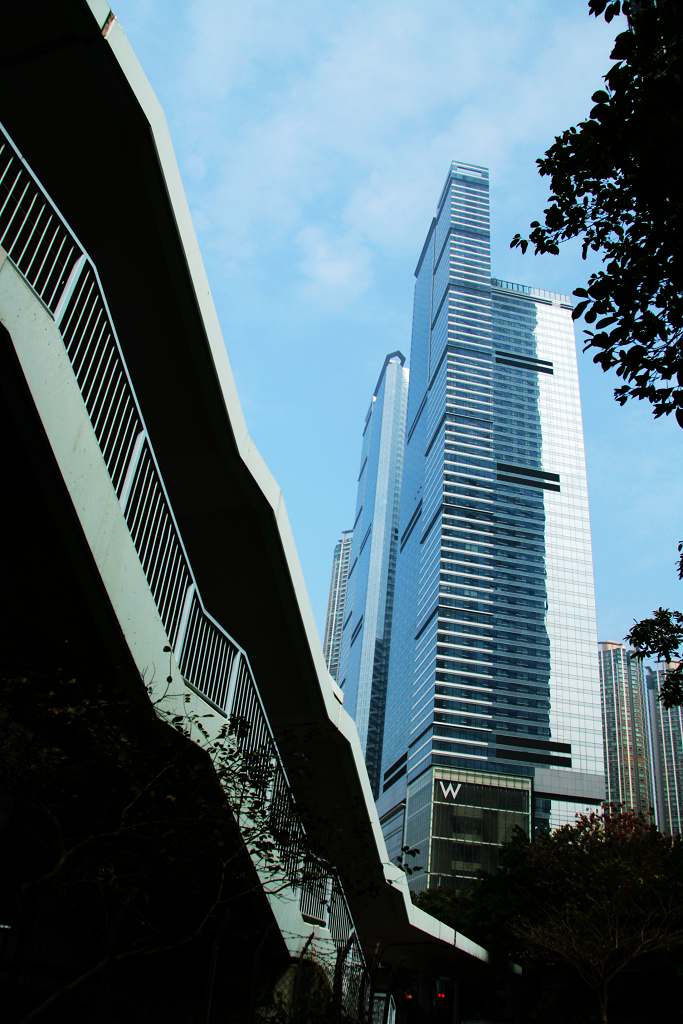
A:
{"x": 313, "y": 140}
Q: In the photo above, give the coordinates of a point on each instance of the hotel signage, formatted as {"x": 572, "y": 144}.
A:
{"x": 449, "y": 790}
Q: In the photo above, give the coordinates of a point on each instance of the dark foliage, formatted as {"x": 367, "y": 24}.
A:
{"x": 593, "y": 912}
{"x": 661, "y": 637}
{"x": 614, "y": 186}
{"x": 124, "y": 881}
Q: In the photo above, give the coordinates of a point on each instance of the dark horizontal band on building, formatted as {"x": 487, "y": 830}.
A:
{"x": 507, "y": 467}
{"x": 394, "y": 778}
{"x": 527, "y": 483}
{"x": 396, "y": 765}
{"x": 521, "y": 755}
{"x": 523, "y": 741}
{"x": 524, "y": 362}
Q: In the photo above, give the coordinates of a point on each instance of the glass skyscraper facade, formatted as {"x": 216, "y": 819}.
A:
{"x": 370, "y": 588}
{"x": 336, "y": 599}
{"x": 665, "y": 731}
{"x": 627, "y": 757}
{"x": 493, "y": 671}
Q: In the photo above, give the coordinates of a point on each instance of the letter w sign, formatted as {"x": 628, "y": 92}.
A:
{"x": 449, "y": 791}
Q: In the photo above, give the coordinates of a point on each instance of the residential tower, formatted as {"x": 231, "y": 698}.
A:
{"x": 665, "y": 731}
{"x": 627, "y": 758}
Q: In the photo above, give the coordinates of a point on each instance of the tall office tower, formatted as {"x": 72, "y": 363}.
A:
{"x": 493, "y": 704}
{"x": 665, "y": 729}
{"x": 627, "y": 758}
{"x": 334, "y": 619}
{"x": 370, "y": 591}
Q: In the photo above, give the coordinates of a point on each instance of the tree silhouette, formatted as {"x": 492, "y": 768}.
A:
{"x": 597, "y": 903}
{"x": 611, "y": 187}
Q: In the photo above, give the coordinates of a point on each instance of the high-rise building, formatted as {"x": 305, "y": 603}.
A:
{"x": 334, "y": 619}
{"x": 493, "y": 704}
{"x": 665, "y": 730}
{"x": 627, "y": 759}
{"x": 370, "y": 589}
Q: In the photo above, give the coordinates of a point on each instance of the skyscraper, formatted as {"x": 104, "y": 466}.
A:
{"x": 334, "y": 620}
{"x": 493, "y": 705}
{"x": 627, "y": 767}
{"x": 665, "y": 731}
{"x": 370, "y": 589}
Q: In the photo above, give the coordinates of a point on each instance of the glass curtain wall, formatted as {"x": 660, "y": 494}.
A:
{"x": 370, "y": 588}
{"x": 493, "y": 665}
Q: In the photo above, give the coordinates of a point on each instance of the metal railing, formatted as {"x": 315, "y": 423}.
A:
{"x": 52, "y": 261}
{"x": 32, "y": 233}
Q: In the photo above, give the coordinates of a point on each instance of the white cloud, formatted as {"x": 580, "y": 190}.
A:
{"x": 232, "y": 46}
{"x": 305, "y": 123}
{"x": 314, "y": 139}
{"x": 333, "y": 269}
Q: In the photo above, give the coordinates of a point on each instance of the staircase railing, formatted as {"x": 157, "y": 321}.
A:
{"x": 45, "y": 251}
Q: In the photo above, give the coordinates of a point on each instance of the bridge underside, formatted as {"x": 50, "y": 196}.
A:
{"x": 64, "y": 664}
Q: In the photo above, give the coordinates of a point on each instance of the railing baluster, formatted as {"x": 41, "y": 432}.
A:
{"x": 16, "y": 210}
{"x": 48, "y": 302}
{"x": 131, "y": 471}
{"x": 36, "y": 247}
{"x": 9, "y": 196}
{"x": 184, "y": 619}
{"x": 232, "y": 683}
{"x": 69, "y": 287}
{"x": 31, "y": 233}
